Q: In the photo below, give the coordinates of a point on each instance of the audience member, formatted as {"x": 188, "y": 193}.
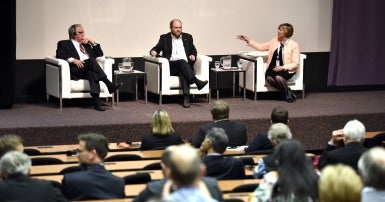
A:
{"x": 186, "y": 171}
{"x": 236, "y": 131}
{"x": 261, "y": 142}
{"x": 178, "y": 47}
{"x": 283, "y": 58}
{"x": 81, "y": 53}
{"x": 278, "y": 132}
{"x": 95, "y": 182}
{"x": 217, "y": 165}
{"x": 340, "y": 183}
{"x": 345, "y": 146}
{"x": 162, "y": 133}
{"x": 18, "y": 186}
{"x": 10, "y": 142}
{"x": 371, "y": 167}
{"x": 157, "y": 189}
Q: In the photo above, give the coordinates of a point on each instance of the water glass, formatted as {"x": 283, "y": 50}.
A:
{"x": 120, "y": 67}
{"x": 217, "y": 64}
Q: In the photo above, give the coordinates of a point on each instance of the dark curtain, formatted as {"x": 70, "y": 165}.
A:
{"x": 357, "y": 43}
{"x": 8, "y": 56}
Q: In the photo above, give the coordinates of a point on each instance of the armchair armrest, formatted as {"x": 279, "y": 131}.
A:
{"x": 202, "y": 66}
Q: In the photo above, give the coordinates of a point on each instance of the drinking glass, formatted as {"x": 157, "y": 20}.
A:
{"x": 217, "y": 64}
{"x": 239, "y": 64}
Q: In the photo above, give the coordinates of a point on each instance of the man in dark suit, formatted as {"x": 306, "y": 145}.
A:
{"x": 95, "y": 182}
{"x": 81, "y": 53}
{"x": 18, "y": 186}
{"x": 178, "y": 47}
{"x": 345, "y": 146}
{"x": 217, "y": 165}
{"x": 236, "y": 131}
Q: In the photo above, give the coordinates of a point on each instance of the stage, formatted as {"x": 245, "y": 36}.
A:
{"x": 311, "y": 120}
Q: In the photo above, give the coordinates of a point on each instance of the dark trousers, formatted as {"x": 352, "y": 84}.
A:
{"x": 185, "y": 72}
{"x": 91, "y": 72}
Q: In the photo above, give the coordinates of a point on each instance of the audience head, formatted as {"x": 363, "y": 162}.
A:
{"x": 279, "y": 132}
{"x": 354, "y": 131}
{"x": 161, "y": 123}
{"x": 74, "y": 30}
{"x": 287, "y": 28}
{"x": 215, "y": 141}
{"x": 371, "y": 167}
{"x": 10, "y": 142}
{"x": 220, "y": 110}
{"x": 279, "y": 115}
{"x": 339, "y": 183}
{"x": 185, "y": 166}
{"x": 14, "y": 162}
{"x": 176, "y": 27}
{"x": 93, "y": 148}
{"x": 165, "y": 159}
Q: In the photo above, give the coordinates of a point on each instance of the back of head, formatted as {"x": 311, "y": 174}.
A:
{"x": 279, "y": 115}
{"x": 291, "y": 154}
{"x": 220, "y": 110}
{"x": 339, "y": 183}
{"x": 161, "y": 123}
{"x": 372, "y": 168}
{"x": 95, "y": 141}
{"x": 185, "y": 165}
{"x": 10, "y": 142}
{"x": 14, "y": 162}
{"x": 354, "y": 130}
{"x": 166, "y": 155}
{"x": 279, "y": 132}
{"x": 218, "y": 139}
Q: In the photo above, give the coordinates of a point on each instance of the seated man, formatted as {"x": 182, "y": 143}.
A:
{"x": 18, "y": 186}
{"x": 345, "y": 146}
{"x": 236, "y": 131}
{"x": 217, "y": 165}
{"x": 95, "y": 182}
{"x": 10, "y": 142}
{"x": 178, "y": 47}
{"x": 81, "y": 53}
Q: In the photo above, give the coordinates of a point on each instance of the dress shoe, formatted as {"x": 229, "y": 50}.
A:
{"x": 292, "y": 95}
{"x": 289, "y": 99}
{"x": 201, "y": 84}
{"x": 186, "y": 102}
{"x": 99, "y": 107}
{"x": 113, "y": 88}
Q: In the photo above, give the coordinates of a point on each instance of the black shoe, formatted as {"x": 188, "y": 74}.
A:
{"x": 186, "y": 102}
{"x": 113, "y": 88}
{"x": 201, "y": 84}
{"x": 289, "y": 99}
{"x": 99, "y": 107}
{"x": 292, "y": 95}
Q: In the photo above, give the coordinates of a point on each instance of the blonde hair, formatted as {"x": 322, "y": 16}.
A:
{"x": 161, "y": 123}
{"x": 339, "y": 183}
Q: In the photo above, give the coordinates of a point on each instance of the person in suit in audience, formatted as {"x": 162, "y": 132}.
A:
{"x": 162, "y": 133}
{"x": 371, "y": 167}
{"x": 18, "y": 186}
{"x": 339, "y": 182}
{"x": 95, "y": 182}
{"x": 261, "y": 143}
{"x": 345, "y": 146}
{"x": 278, "y": 132}
{"x": 283, "y": 58}
{"x": 81, "y": 53}
{"x": 217, "y": 165}
{"x": 236, "y": 131}
{"x": 157, "y": 189}
{"x": 178, "y": 47}
{"x": 10, "y": 142}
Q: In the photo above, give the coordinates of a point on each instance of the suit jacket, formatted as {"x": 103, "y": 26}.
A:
{"x": 151, "y": 141}
{"x": 164, "y": 46}
{"x": 93, "y": 183}
{"x": 262, "y": 143}
{"x": 348, "y": 155}
{"x": 222, "y": 167}
{"x": 155, "y": 187}
{"x": 236, "y": 131}
{"x": 23, "y": 188}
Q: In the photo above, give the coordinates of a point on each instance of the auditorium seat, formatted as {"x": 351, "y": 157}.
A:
{"x": 123, "y": 157}
{"x": 45, "y": 161}
{"x": 138, "y": 178}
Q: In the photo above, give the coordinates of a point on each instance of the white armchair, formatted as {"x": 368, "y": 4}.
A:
{"x": 160, "y": 82}
{"x": 60, "y": 85}
{"x": 255, "y": 80}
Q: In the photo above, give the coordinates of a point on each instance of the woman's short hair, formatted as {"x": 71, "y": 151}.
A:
{"x": 161, "y": 123}
{"x": 289, "y": 30}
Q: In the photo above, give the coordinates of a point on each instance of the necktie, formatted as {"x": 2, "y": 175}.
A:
{"x": 82, "y": 49}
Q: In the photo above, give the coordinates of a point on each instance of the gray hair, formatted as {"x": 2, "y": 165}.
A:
{"x": 354, "y": 130}
{"x": 371, "y": 167}
{"x": 14, "y": 162}
{"x": 279, "y": 132}
{"x": 218, "y": 138}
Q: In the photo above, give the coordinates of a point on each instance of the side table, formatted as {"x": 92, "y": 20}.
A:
{"x": 219, "y": 71}
{"x": 134, "y": 73}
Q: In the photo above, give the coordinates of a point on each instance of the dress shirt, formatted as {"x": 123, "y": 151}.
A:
{"x": 82, "y": 55}
{"x": 178, "y": 51}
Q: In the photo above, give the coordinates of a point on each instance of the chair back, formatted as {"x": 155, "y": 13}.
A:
{"x": 377, "y": 140}
{"x": 123, "y": 157}
{"x": 32, "y": 152}
{"x": 138, "y": 178}
{"x": 245, "y": 188}
{"x": 45, "y": 161}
